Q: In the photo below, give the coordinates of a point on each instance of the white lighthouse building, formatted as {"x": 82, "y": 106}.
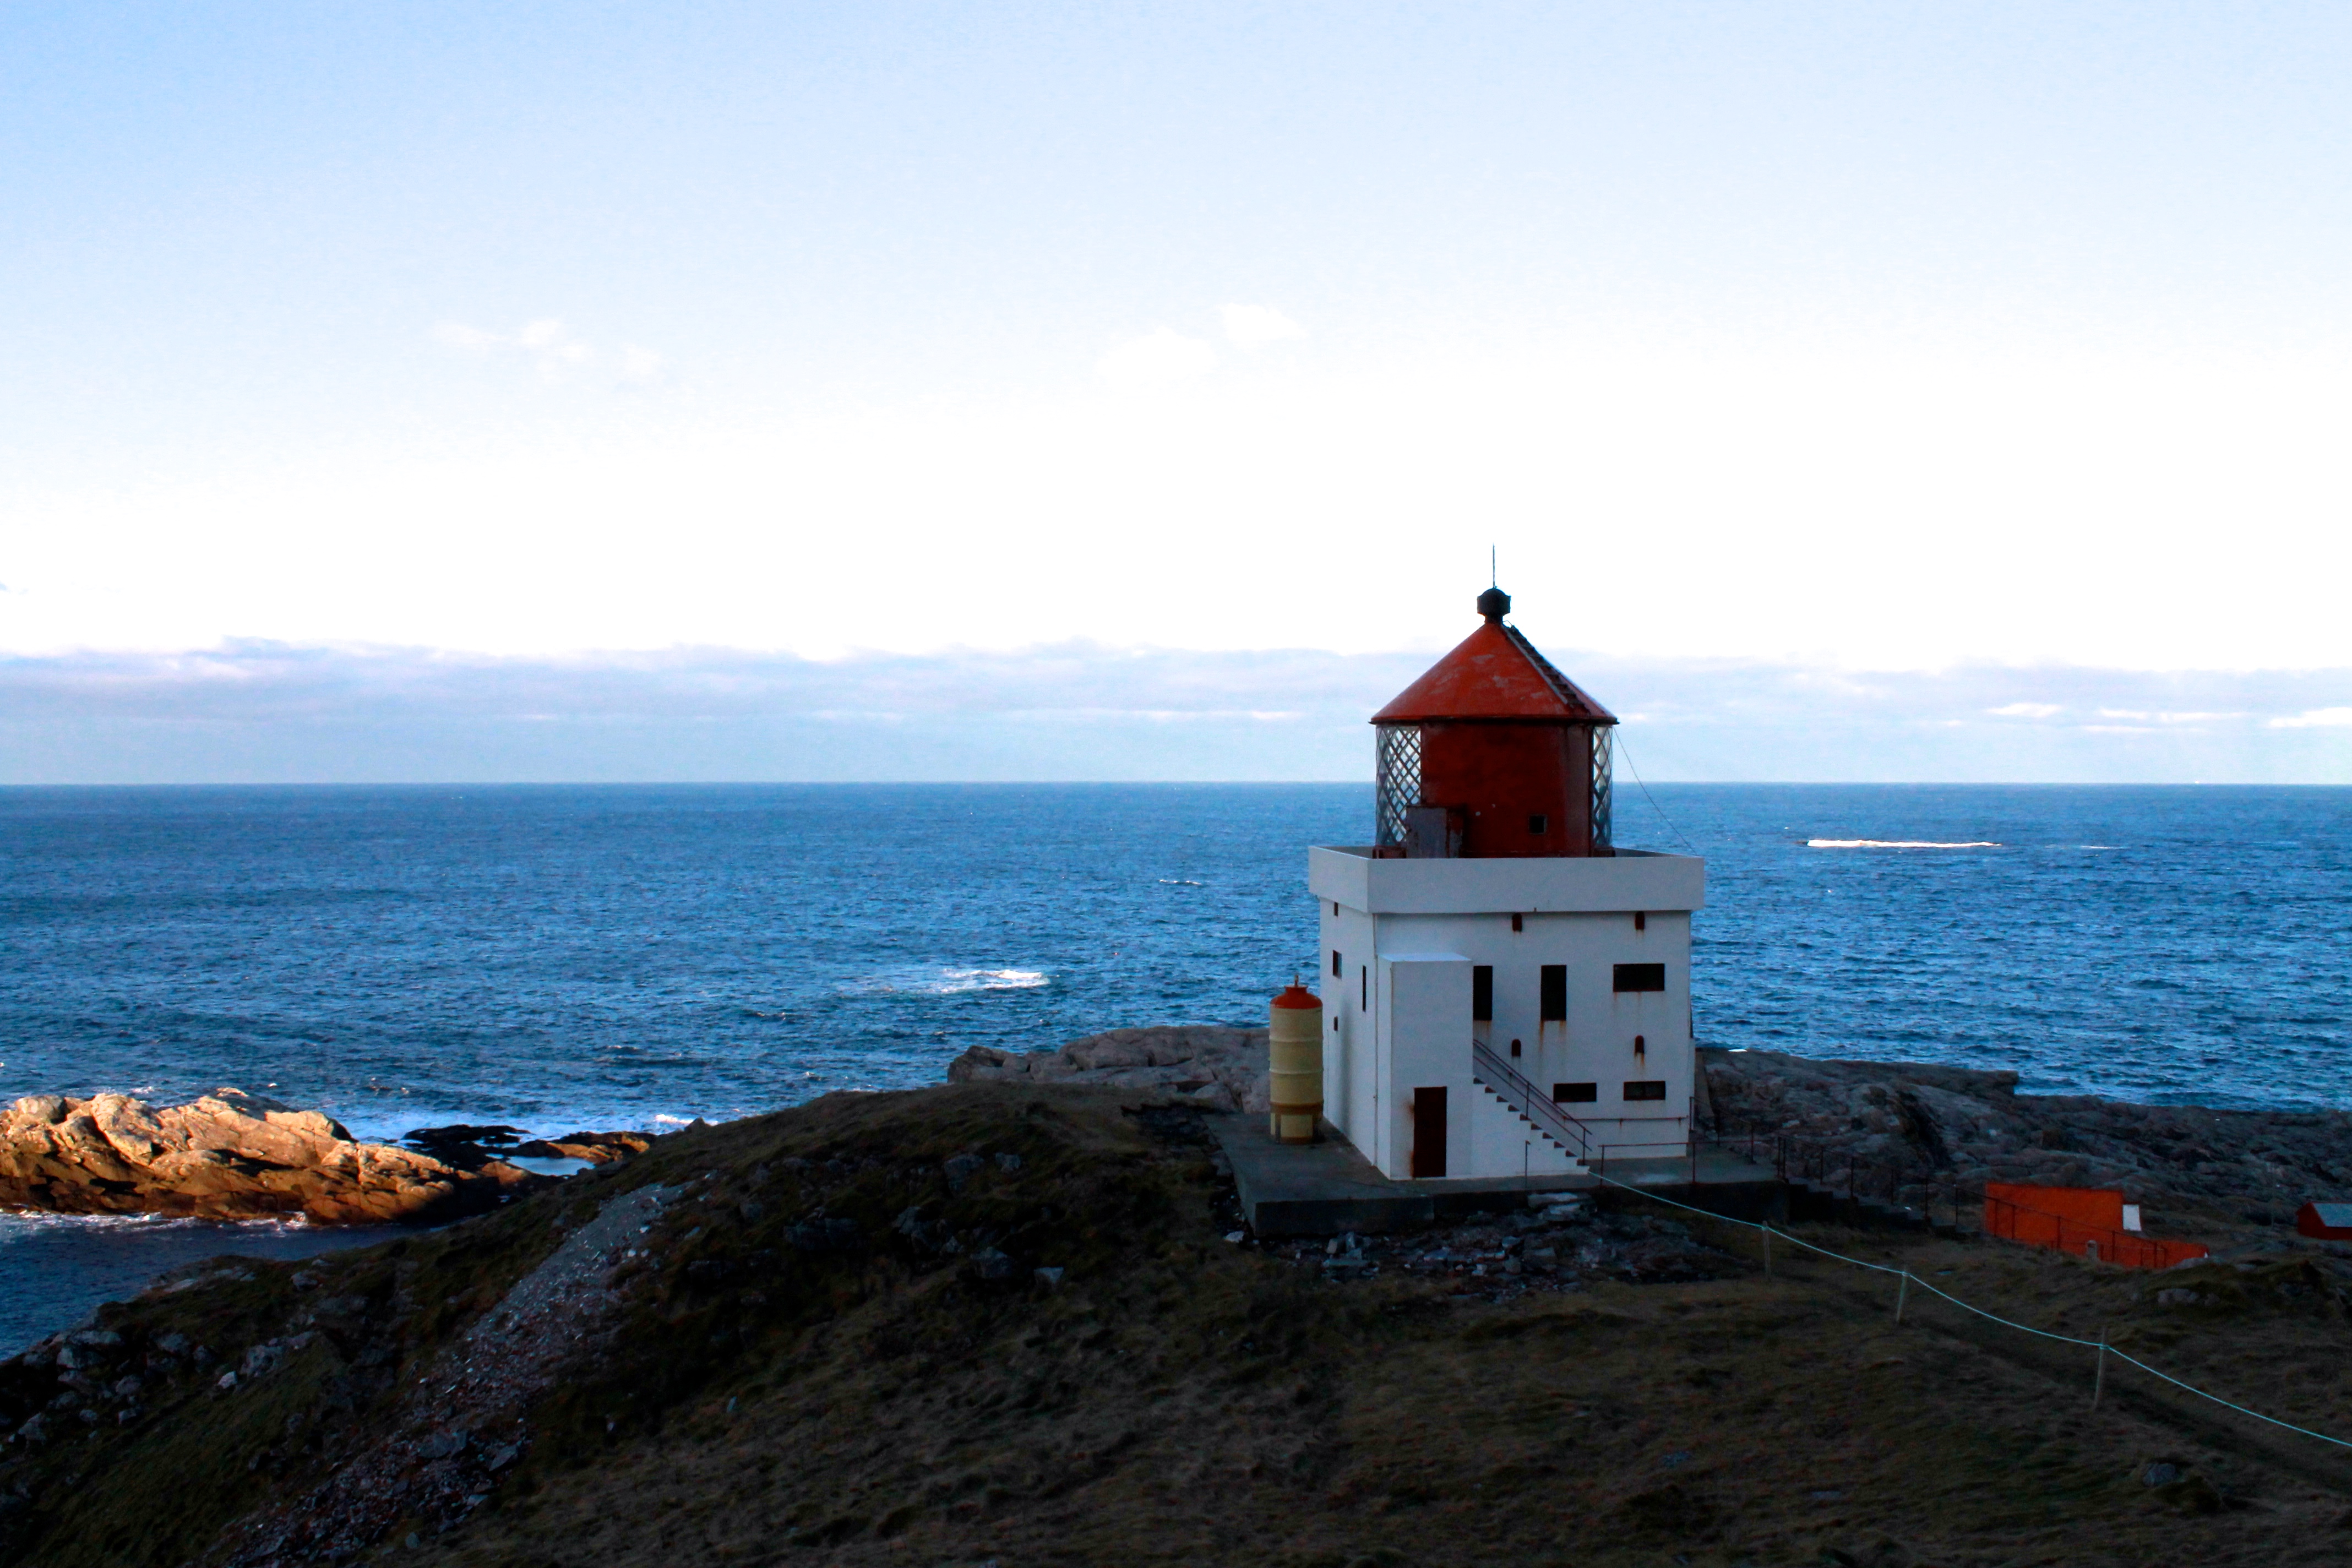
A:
{"x": 1506, "y": 994}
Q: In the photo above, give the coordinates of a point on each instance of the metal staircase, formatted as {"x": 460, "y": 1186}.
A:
{"x": 1502, "y": 1080}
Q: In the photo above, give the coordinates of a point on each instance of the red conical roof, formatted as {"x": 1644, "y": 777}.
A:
{"x": 1495, "y": 673}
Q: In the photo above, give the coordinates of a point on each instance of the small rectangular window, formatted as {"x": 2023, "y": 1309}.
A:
{"x": 1641, "y": 920}
{"x": 1540, "y": 824}
{"x": 1575, "y": 1093}
{"x": 1482, "y": 993}
{"x": 1364, "y": 981}
{"x": 1640, "y": 977}
{"x": 1555, "y": 993}
{"x": 1646, "y": 1088}
{"x": 1335, "y": 965}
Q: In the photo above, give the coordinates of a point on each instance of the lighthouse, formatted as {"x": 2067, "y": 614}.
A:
{"x": 1506, "y": 993}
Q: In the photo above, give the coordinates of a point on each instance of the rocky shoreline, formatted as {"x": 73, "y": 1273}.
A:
{"x": 1911, "y": 1120}
{"x": 1972, "y": 1126}
{"x": 1217, "y": 1067}
{"x": 228, "y": 1156}
{"x": 232, "y": 1155}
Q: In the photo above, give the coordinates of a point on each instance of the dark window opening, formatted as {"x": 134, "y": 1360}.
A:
{"x": 1640, "y": 977}
{"x": 1515, "y": 1048}
{"x": 1335, "y": 965}
{"x": 1641, "y": 1045}
{"x": 1646, "y": 1088}
{"x": 1540, "y": 824}
{"x": 1515, "y": 922}
{"x": 1555, "y": 993}
{"x": 1482, "y": 993}
{"x": 1364, "y": 980}
{"x": 1574, "y": 1093}
{"x": 1641, "y": 920}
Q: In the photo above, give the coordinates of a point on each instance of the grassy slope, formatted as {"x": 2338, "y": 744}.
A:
{"x": 1180, "y": 1400}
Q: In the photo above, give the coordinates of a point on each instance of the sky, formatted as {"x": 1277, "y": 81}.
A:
{"x": 1941, "y": 391}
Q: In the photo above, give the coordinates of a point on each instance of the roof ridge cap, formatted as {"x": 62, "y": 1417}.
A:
{"x": 1567, "y": 690}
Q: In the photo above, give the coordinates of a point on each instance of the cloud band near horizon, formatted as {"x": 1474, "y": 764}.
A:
{"x": 255, "y": 712}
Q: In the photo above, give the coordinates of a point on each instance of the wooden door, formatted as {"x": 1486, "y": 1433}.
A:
{"x": 1428, "y": 1133}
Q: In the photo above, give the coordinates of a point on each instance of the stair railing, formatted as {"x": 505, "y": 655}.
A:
{"x": 1502, "y": 1078}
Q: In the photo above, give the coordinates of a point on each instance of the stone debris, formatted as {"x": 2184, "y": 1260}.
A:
{"x": 227, "y": 1155}
{"x": 1221, "y": 1068}
{"x": 462, "y": 1417}
{"x": 1561, "y": 1247}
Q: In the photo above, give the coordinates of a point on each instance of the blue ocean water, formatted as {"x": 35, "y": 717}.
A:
{"x": 560, "y": 957}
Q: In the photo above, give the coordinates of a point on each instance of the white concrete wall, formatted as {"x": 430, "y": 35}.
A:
{"x": 1424, "y": 1028}
{"x": 1550, "y": 884}
{"x": 1596, "y": 1044}
{"x": 1371, "y": 1055}
{"x": 1351, "y": 1087}
{"x": 1506, "y": 1145}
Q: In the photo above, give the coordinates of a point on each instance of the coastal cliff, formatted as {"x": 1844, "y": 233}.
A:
{"x": 1021, "y": 1322}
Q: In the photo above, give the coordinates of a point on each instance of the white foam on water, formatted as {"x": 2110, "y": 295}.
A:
{"x": 1897, "y": 844}
{"x": 956, "y": 981}
{"x": 38, "y": 1219}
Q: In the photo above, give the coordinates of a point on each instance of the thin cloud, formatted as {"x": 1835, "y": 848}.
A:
{"x": 1162, "y": 357}
{"x": 1254, "y": 326}
{"x": 267, "y": 710}
{"x": 551, "y": 346}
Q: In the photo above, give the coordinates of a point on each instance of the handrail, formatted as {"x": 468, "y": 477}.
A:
{"x": 1498, "y": 1075}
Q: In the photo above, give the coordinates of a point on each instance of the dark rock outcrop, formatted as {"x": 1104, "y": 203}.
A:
{"x": 470, "y": 1148}
{"x": 1221, "y": 1067}
{"x": 1974, "y": 1126}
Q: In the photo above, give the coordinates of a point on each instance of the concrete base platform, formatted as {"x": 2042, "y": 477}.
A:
{"x": 1326, "y": 1188}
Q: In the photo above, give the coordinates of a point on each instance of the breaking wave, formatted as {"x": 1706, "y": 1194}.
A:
{"x": 956, "y": 981}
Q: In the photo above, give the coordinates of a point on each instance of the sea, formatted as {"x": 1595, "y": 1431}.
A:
{"x": 558, "y": 958}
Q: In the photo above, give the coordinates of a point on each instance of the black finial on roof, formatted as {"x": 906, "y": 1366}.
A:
{"x": 1494, "y": 603}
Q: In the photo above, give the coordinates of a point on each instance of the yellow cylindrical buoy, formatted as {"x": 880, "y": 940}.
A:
{"x": 1294, "y": 1044}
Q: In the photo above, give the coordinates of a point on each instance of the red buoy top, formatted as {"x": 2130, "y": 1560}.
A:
{"x": 1298, "y": 997}
{"x": 1493, "y": 673}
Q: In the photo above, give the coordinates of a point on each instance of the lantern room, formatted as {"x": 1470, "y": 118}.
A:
{"x": 1493, "y": 753}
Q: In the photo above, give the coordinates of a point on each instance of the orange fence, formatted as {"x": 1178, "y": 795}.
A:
{"x": 2085, "y": 1221}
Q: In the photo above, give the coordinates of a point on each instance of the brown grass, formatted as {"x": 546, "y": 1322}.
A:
{"x": 1177, "y": 1399}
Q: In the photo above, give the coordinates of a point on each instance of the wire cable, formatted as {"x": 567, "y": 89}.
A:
{"x": 1770, "y": 1229}
{"x": 1618, "y": 742}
